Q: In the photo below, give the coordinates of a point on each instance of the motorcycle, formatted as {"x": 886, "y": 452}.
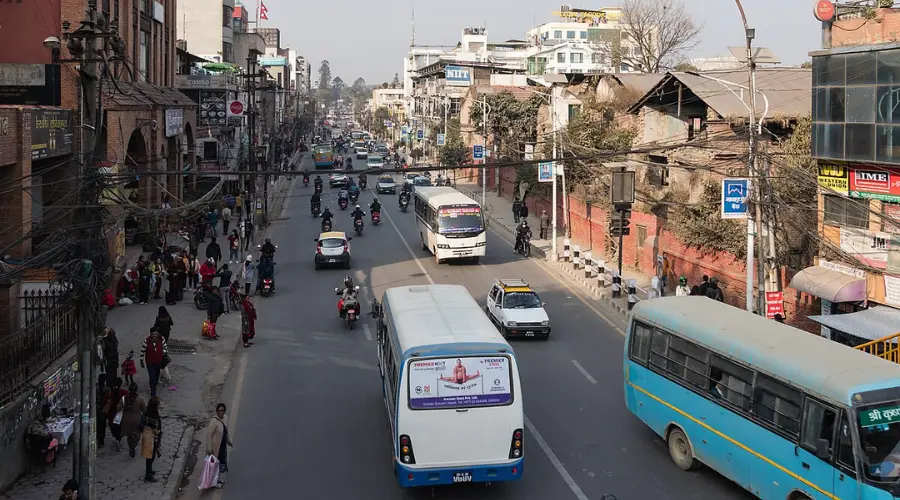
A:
{"x": 404, "y": 202}
{"x": 267, "y": 287}
{"x": 305, "y": 180}
{"x": 342, "y": 203}
{"x": 363, "y": 182}
{"x": 201, "y": 297}
{"x": 316, "y": 209}
{"x": 349, "y": 309}
{"x": 326, "y": 225}
{"x": 525, "y": 246}
{"x": 376, "y": 218}
{"x": 354, "y": 198}
{"x": 358, "y": 225}
{"x": 318, "y": 188}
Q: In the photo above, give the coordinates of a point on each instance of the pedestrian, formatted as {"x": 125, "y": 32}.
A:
{"x": 239, "y": 206}
{"x": 131, "y": 418}
{"x": 666, "y": 269}
{"x": 248, "y": 205}
{"x": 523, "y": 211}
{"x": 213, "y": 217}
{"x": 214, "y": 251}
{"x": 544, "y": 225}
{"x": 153, "y": 351}
{"x": 102, "y": 409}
{"x": 193, "y": 243}
{"x": 157, "y": 270}
{"x": 111, "y": 353}
{"x": 700, "y": 289}
{"x": 229, "y": 201}
{"x": 164, "y": 323}
{"x": 218, "y": 441}
{"x": 225, "y": 275}
{"x": 214, "y": 307}
{"x": 516, "y": 209}
{"x": 174, "y": 285}
{"x": 151, "y": 437}
{"x": 183, "y": 266}
{"x": 713, "y": 291}
{"x": 70, "y": 491}
{"x": 248, "y": 320}
{"x": 116, "y": 399}
{"x": 226, "y": 219}
{"x": 146, "y": 277}
{"x": 193, "y": 271}
{"x": 234, "y": 246}
{"x": 248, "y": 233}
{"x": 248, "y": 274}
{"x": 682, "y": 290}
{"x": 200, "y": 226}
{"x": 129, "y": 370}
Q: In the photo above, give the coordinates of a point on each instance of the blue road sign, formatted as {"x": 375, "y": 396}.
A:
{"x": 440, "y": 140}
{"x": 478, "y": 152}
{"x": 420, "y": 134}
{"x": 735, "y": 194}
{"x": 545, "y": 171}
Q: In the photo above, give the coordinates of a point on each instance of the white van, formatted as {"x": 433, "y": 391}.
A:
{"x": 451, "y": 389}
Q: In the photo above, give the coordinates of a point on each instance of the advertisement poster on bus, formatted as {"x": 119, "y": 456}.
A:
{"x": 460, "y": 219}
{"x": 459, "y": 382}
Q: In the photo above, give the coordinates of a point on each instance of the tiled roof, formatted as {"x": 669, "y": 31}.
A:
{"x": 146, "y": 94}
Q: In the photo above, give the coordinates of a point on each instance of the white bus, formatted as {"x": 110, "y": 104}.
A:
{"x": 451, "y": 389}
{"x": 451, "y": 225}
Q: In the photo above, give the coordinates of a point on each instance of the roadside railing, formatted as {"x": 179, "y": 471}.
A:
{"x": 885, "y": 348}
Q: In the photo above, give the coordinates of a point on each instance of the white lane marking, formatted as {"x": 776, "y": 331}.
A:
{"x": 233, "y": 409}
{"x": 584, "y": 372}
{"x": 367, "y": 332}
{"x": 560, "y": 468}
{"x": 287, "y": 200}
{"x": 409, "y": 248}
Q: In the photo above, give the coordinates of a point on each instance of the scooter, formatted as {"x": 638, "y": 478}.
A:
{"x": 318, "y": 188}
{"x": 525, "y": 246}
{"x": 267, "y": 287}
{"x": 326, "y": 226}
{"x": 316, "y": 209}
{"x": 363, "y": 183}
{"x": 342, "y": 203}
{"x": 350, "y": 309}
{"x": 376, "y": 218}
{"x": 354, "y": 198}
{"x": 305, "y": 180}
{"x": 358, "y": 225}
{"x": 404, "y": 203}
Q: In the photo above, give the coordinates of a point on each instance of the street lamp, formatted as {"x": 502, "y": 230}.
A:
{"x": 553, "y": 120}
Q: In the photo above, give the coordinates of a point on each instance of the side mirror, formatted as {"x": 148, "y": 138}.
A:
{"x": 543, "y": 304}
{"x": 823, "y": 451}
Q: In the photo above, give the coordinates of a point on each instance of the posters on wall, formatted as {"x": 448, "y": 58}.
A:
{"x": 459, "y": 382}
{"x": 51, "y": 133}
{"x": 873, "y": 248}
{"x": 892, "y": 290}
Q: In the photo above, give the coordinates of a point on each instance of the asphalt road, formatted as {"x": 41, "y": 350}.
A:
{"x": 305, "y": 400}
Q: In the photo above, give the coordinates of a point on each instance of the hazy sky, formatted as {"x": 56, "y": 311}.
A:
{"x": 370, "y": 38}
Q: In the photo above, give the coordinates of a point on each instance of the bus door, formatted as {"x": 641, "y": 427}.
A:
{"x": 813, "y": 460}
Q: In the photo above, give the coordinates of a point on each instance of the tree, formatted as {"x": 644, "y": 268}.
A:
{"x": 511, "y": 122}
{"x": 378, "y": 119}
{"x": 454, "y": 151}
{"x": 324, "y": 74}
{"x": 337, "y": 88}
{"x": 686, "y": 66}
{"x": 396, "y": 83}
{"x": 658, "y": 32}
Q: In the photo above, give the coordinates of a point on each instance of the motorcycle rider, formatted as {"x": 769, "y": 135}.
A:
{"x": 315, "y": 201}
{"x": 362, "y": 179}
{"x": 207, "y": 272}
{"x": 523, "y": 232}
{"x": 357, "y": 215}
{"x": 318, "y": 183}
{"x": 268, "y": 249}
{"x": 404, "y": 197}
{"x": 347, "y": 292}
{"x": 375, "y": 206}
{"x": 343, "y": 194}
{"x": 266, "y": 267}
{"x": 326, "y": 217}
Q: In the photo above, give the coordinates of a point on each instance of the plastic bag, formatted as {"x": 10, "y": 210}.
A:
{"x": 209, "y": 477}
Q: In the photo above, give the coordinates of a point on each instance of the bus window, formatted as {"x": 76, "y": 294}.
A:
{"x": 777, "y": 404}
{"x": 640, "y": 341}
{"x": 659, "y": 344}
{"x": 687, "y": 362}
{"x": 818, "y": 424}
{"x": 845, "y": 456}
{"x": 730, "y": 382}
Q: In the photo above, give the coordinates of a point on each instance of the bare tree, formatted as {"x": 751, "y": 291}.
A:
{"x": 655, "y": 35}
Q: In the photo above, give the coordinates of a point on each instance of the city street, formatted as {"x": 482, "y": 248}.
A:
{"x": 305, "y": 401}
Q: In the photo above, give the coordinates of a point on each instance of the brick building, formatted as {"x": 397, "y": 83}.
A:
{"x": 857, "y": 27}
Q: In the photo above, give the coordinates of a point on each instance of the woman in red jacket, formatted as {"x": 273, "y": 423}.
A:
{"x": 248, "y": 320}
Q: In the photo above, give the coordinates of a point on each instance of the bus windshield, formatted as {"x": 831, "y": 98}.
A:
{"x": 466, "y": 382}
{"x": 460, "y": 219}
{"x": 879, "y": 432}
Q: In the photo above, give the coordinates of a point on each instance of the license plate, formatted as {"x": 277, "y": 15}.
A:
{"x": 332, "y": 260}
{"x": 529, "y": 334}
{"x": 462, "y": 477}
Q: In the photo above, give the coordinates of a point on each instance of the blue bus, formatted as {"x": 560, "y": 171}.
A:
{"x": 786, "y": 414}
{"x": 451, "y": 388}
{"x": 323, "y": 157}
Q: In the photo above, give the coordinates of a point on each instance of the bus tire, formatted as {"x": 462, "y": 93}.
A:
{"x": 680, "y": 450}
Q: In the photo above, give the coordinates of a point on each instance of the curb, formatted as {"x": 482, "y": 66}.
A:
{"x": 596, "y": 291}
{"x": 172, "y": 487}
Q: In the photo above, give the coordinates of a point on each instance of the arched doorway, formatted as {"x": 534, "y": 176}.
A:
{"x": 188, "y": 162}
{"x": 135, "y": 188}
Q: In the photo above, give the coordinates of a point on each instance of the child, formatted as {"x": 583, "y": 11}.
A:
{"x": 128, "y": 368}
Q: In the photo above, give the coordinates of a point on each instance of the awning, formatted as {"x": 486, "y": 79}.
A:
{"x": 873, "y": 323}
{"x": 830, "y": 285}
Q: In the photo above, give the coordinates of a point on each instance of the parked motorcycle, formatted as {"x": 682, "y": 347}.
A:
{"x": 201, "y": 298}
{"x": 376, "y": 218}
{"x": 358, "y": 226}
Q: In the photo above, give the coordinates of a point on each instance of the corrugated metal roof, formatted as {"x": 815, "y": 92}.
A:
{"x": 520, "y": 93}
{"x": 146, "y": 94}
{"x": 788, "y": 91}
{"x": 642, "y": 82}
{"x": 873, "y": 323}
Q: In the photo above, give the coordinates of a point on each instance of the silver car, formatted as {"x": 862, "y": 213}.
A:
{"x": 386, "y": 184}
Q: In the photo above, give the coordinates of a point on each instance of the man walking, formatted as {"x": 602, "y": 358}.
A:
{"x": 153, "y": 351}
{"x": 225, "y": 275}
{"x": 248, "y": 233}
{"x": 545, "y": 224}
{"x": 226, "y": 219}
{"x": 516, "y": 209}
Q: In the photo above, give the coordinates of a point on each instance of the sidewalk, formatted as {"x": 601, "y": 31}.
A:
{"x": 499, "y": 212}
{"x": 199, "y": 368}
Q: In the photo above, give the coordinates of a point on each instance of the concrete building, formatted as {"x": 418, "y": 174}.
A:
{"x": 208, "y": 36}
{"x": 302, "y": 75}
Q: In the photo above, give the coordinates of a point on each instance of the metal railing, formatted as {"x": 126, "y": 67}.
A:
{"x": 34, "y": 347}
{"x": 35, "y": 304}
{"x": 885, "y": 348}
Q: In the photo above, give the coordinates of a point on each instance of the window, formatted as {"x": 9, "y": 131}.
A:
{"x": 576, "y": 57}
{"x": 597, "y": 58}
{"x": 840, "y": 211}
{"x": 659, "y": 344}
{"x": 145, "y": 7}
{"x": 688, "y": 362}
{"x": 561, "y": 57}
{"x": 557, "y": 34}
{"x": 226, "y": 16}
{"x": 624, "y": 68}
{"x": 859, "y": 142}
{"x": 640, "y": 341}
{"x": 570, "y": 35}
{"x": 818, "y": 423}
{"x": 777, "y": 404}
{"x": 144, "y": 56}
{"x": 583, "y": 35}
{"x": 210, "y": 151}
{"x": 860, "y": 104}
{"x": 574, "y": 111}
{"x": 730, "y": 382}
{"x": 844, "y": 455}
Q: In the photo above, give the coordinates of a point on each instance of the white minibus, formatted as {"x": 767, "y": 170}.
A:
{"x": 451, "y": 225}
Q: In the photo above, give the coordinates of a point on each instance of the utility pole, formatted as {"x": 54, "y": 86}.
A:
{"x": 554, "y": 256}
{"x": 250, "y": 183}
{"x": 484, "y": 120}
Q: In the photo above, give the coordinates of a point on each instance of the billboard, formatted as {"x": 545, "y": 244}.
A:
{"x": 458, "y": 76}
{"x": 875, "y": 183}
{"x": 51, "y": 133}
{"x": 834, "y": 178}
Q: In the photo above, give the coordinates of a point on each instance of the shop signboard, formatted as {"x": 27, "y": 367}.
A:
{"x": 875, "y": 183}
{"x": 212, "y": 109}
{"x": 873, "y": 248}
{"x": 174, "y": 122}
{"x": 892, "y": 290}
{"x": 51, "y": 133}
{"x": 834, "y": 178}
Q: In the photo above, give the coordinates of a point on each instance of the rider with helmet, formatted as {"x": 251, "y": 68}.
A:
{"x": 523, "y": 232}
{"x": 348, "y": 292}
{"x": 357, "y": 215}
{"x": 326, "y": 217}
{"x": 375, "y": 206}
{"x": 682, "y": 290}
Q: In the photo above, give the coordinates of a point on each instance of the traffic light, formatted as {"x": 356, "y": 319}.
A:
{"x": 620, "y": 220}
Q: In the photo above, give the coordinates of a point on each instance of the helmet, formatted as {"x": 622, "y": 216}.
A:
{"x": 211, "y": 260}
{"x": 249, "y": 258}
{"x": 682, "y": 280}
{"x": 375, "y": 200}
{"x": 714, "y": 281}
{"x": 357, "y": 205}
{"x": 524, "y": 223}
{"x": 348, "y": 280}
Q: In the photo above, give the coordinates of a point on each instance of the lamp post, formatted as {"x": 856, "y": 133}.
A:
{"x": 553, "y": 121}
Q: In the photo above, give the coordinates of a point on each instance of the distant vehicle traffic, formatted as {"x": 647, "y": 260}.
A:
{"x": 451, "y": 225}
{"x": 338, "y": 179}
{"x": 443, "y": 365}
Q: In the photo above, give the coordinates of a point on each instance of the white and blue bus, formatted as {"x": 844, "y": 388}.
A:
{"x": 786, "y": 414}
{"x": 451, "y": 389}
{"x": 451, "y": 225}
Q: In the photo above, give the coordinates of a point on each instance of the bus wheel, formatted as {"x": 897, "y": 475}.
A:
{"x": 680, "y": 450}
